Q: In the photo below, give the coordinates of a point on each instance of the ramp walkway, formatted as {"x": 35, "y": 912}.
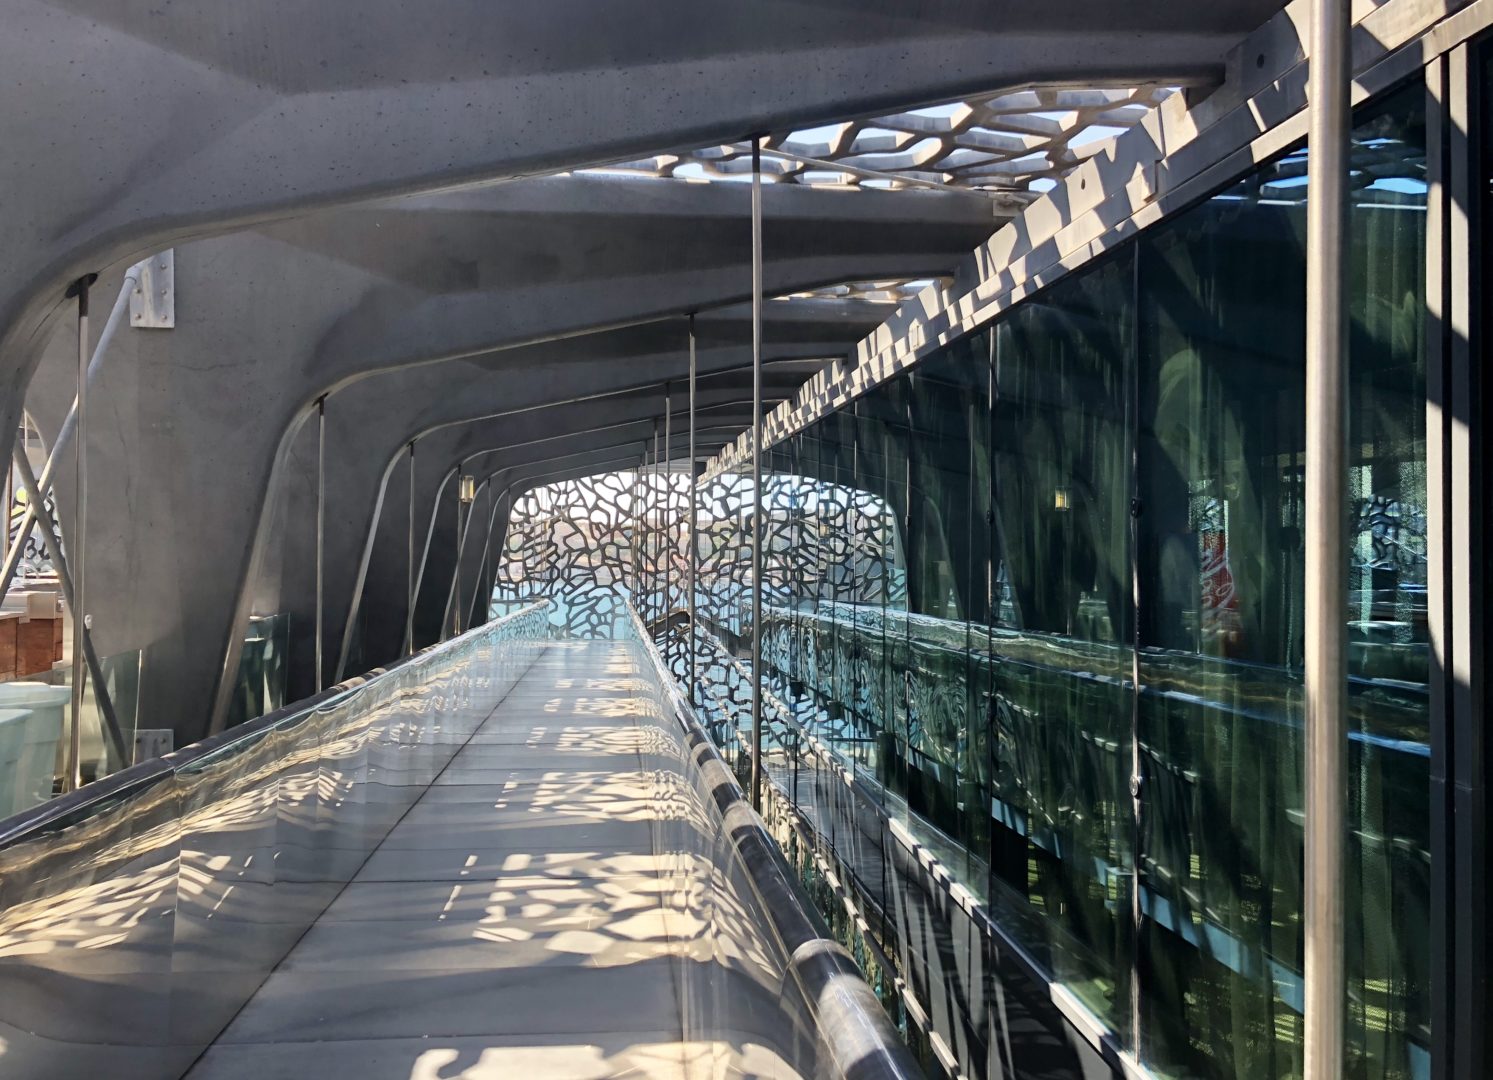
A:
{"x": 508, "y": 857}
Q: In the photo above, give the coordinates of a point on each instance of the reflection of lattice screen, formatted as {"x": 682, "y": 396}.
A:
{"x": 820, "y": 541}
{"x": 589, "y": 543}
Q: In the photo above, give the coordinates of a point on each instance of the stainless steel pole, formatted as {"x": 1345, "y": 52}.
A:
{"x": 497, "y": 557}
{"x": 409, "y": 607}
{"x": 65, "y": 432}
{"x": 321, "y": 527}
{"x": 652, "y": 539}
{"x": 1328, "y": 134}
{"x": 73, "y": 776}
{"x": 486, "y": 573}
{"x": 757, "y": 474}
{"x": 635, "y": 547}
{"x": 465, "y": 512}
{"x": 435, "y": 513}
{"x": 482, "y": 561}
{"x": 49, "y": 532}
{"x": 462, "y": 516}
{"x": 666, "y": 525}
{"x": 694, "y": 513}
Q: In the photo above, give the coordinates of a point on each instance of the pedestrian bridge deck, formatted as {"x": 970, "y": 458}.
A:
{"x": 519, "y": 920}
{"x": 511, "y": 857}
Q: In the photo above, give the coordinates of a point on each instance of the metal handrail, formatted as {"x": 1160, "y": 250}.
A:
{"x": 116, "y": 785}
{"x": 870, "y": 797}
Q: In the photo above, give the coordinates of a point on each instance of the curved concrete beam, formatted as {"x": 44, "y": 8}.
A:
{"x": 200, "y": 418}
{"x": 129, "y": 128}
{"x": 364, "y": 454}
{"x": 382, "y": 596}
{"x": 527, "y": 390}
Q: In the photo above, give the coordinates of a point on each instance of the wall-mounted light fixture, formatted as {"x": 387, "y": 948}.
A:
{"x": 468, "y": 489}
{"x": 1062, "y": 499}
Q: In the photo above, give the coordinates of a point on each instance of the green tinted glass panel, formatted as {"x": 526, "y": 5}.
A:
{"x": 1221, "y": 456}
{"x": 974, "y": 561}
{"x": 1062, "y": 660}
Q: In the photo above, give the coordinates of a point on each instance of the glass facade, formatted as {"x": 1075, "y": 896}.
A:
{"x": 1067, "y": 549}
{"x": 1041, "y": 595}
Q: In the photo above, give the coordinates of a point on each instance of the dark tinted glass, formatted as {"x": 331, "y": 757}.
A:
{"x": 1221, "y": 456}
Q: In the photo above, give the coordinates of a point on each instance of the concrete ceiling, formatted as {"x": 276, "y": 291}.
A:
{"x": 329, "y": 179}
{"x": 455, "y": 320}
{"x": 130, "y": 126}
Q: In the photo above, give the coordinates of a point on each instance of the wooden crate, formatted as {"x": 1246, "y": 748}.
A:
{"x": 10, "y": 626}
{"x": 39, "y": 646}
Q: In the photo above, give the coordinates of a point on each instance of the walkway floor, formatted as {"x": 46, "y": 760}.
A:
{"x": 513, "y": 924}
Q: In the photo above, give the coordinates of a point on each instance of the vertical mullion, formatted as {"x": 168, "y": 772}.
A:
{"x": 1325, "y": 689}
{"x": 1137, "y": 770}
{"x": 757, "y": 503}
{"x": 1462, "y": 580}
{"x": 321, "y": 522}
{"x": 1437, "y": 355}
{"x": 409, "y": 609}
{"x": 72, "y": 780}
{"x": 992, "y": 608}
{"x": 694, "y": 512}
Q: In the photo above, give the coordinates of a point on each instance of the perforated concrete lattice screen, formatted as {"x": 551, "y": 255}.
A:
{"x": 591, "y": 543}
{"x": 1014, "y": 145}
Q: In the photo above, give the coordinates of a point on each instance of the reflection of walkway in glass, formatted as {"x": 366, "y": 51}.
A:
{"x": 523, "y": 919}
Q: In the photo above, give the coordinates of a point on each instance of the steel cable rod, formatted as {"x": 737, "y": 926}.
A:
{"x": 65, "y": 432}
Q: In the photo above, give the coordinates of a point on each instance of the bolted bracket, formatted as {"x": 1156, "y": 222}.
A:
{"x": 153, "y": 743}
{"x": 153, "y": 300}
{"x": 77, "y": 287}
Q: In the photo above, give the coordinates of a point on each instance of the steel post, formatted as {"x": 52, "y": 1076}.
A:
{"x": 757, "y": 680}
{"x": 321, "y": 528}
{"x": 694, "y": 513}
{"x": 666, "y": 532}
{"x": 409, "y": 606}
{"x": 1328, "y": 133}
{"x": 49, "y": 533}
{"x": 462, "y": 516}
{"x": 72, "y": 777}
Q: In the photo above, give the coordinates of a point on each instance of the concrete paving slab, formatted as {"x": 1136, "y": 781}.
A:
{"x": 457, "y": 865}
{"x": 482, "y": 899}
{"x": 517, "y": 919}
{"x": 336, "y": 1005}
{"x": 522, "y": 833}
{"x": 642, "y": 1055}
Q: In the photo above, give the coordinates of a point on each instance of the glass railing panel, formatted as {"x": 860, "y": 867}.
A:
{"x": 259, "y": 685}
{"x": 48, "y": 697}
{"x": 139, "y": 913}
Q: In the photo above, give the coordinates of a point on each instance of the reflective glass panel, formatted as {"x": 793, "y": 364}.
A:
{"x": 1221, "y": 456}
{"x": 1060, "y": 459}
